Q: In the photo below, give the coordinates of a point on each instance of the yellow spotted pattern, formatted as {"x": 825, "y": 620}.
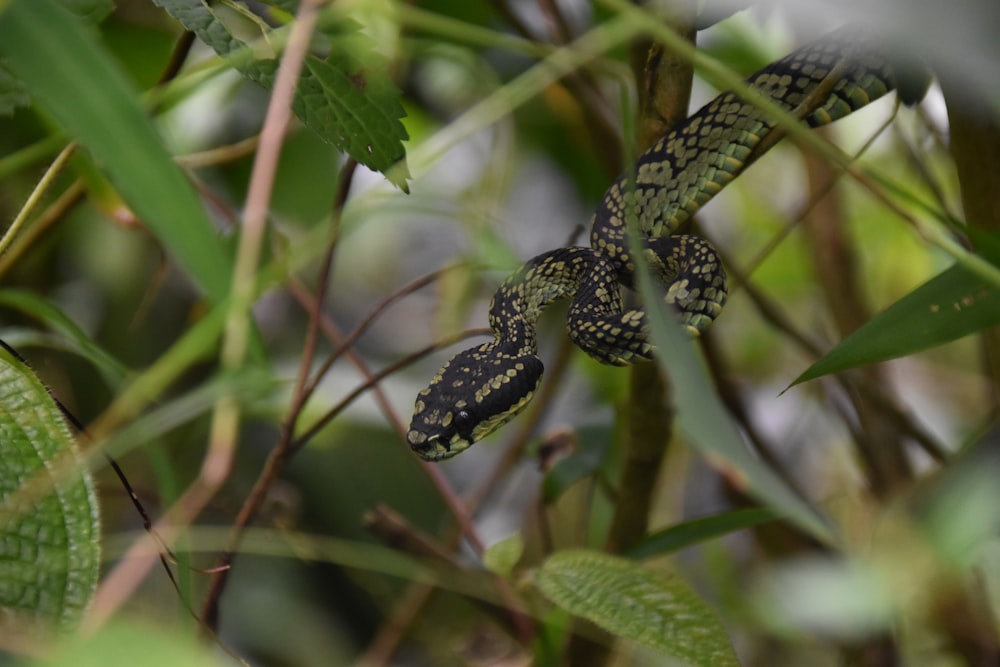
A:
{"x": 482, "y": 388}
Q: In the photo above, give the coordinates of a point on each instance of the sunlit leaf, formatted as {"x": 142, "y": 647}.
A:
{"x": 78, "y": 85}
{"x": 634, "y": 602}
{"x": 49, "y": 551}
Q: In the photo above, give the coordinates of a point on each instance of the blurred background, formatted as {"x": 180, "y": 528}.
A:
{"x": 495, "y": 182}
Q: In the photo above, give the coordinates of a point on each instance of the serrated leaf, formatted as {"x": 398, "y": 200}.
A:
{"x": 950, "y": 306}
{"x": 346, "y": 98}
{"x": 634, "y": 602}
{"x": 49, "y": 552}
{"x": 83, "y": 90}
{"x": 355, "y": 109}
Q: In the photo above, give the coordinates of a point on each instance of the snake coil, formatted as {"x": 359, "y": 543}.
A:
{"x": 484, "y": 387}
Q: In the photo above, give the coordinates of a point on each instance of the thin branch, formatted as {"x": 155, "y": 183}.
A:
{"x": 347, "y": 342}
{"x": 333, "y": 412}
{"x": 218, "y": 460}
{"x": 300, "y": 395}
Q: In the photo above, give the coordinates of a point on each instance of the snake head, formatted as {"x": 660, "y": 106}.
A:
{"x": 474, "y": 393}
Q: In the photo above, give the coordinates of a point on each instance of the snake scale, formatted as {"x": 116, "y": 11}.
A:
{"x": 482, "y": 388}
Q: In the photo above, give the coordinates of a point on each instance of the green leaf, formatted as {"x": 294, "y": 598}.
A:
{"x": 346, "y": 98}
{"x": 49, "y": 522}
{"x": 709, "y": 427}
{"x": 76, "y": 339}
{"x": 501, "y": 558}
{"x": 632, "y": 601}
{"x": 13, "y": 93}
{"x": 94, "y": 11}
{"x": 952, "y": 305}
{"x": 355, "y": 109}
{"x": 125, "y": 644}
{"x": 591, "y": 452}
{"x": 697, "y": 531}
{"x": 81, "y": 87}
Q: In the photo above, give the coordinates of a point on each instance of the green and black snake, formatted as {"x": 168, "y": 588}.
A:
{"x": 482, "y": 388}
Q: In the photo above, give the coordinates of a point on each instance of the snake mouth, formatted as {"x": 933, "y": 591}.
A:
{"x": 435, "y": 448}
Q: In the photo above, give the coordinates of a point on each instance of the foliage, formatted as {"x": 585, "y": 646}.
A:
{"x": 202, "y": 342}
{"x": 632, "y": 602}
{"x": 50, "y": 553}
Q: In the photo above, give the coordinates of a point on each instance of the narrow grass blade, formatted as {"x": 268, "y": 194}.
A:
{"x": 77, "y": 83}
{"x": 709, "y": 427}
{"x": 950, "y": 306}
{"x": 696, "y": 531}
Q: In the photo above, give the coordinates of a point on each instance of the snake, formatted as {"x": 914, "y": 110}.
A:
{"x": 482, "y": 388}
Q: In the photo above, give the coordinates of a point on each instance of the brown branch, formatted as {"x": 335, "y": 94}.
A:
{"x": 283, "y": 449}
{"x": 649, "y": 413}
{"x": 877, "y": 439}
{"x": 975, "y": 147}
{"x": 346, "y": 343}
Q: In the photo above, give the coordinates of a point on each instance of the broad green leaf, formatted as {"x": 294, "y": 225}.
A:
{"x": 77, "y": 340}
{"x": 79, "y": 85}
{"x": 13, "y": 93}
{"x": 697, "y": 531}
{"x": 708, "y": 426}
{"x": 346, "y": 98}
{"x": 952, "y": 305}
{"x": 49, "y": 551}
{"x": 637, "y": 603}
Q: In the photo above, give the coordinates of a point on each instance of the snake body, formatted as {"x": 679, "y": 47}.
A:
{"x": 482, "y": 388}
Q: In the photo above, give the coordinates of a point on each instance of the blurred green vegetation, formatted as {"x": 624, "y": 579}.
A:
{"x": 885, "y": 475}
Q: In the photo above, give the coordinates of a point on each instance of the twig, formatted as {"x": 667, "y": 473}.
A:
{"x": 253, "y": 502}
{"x": 55, "y": 212}
{"x": 346, "y": 343}
{"x": 222, "y": 444}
